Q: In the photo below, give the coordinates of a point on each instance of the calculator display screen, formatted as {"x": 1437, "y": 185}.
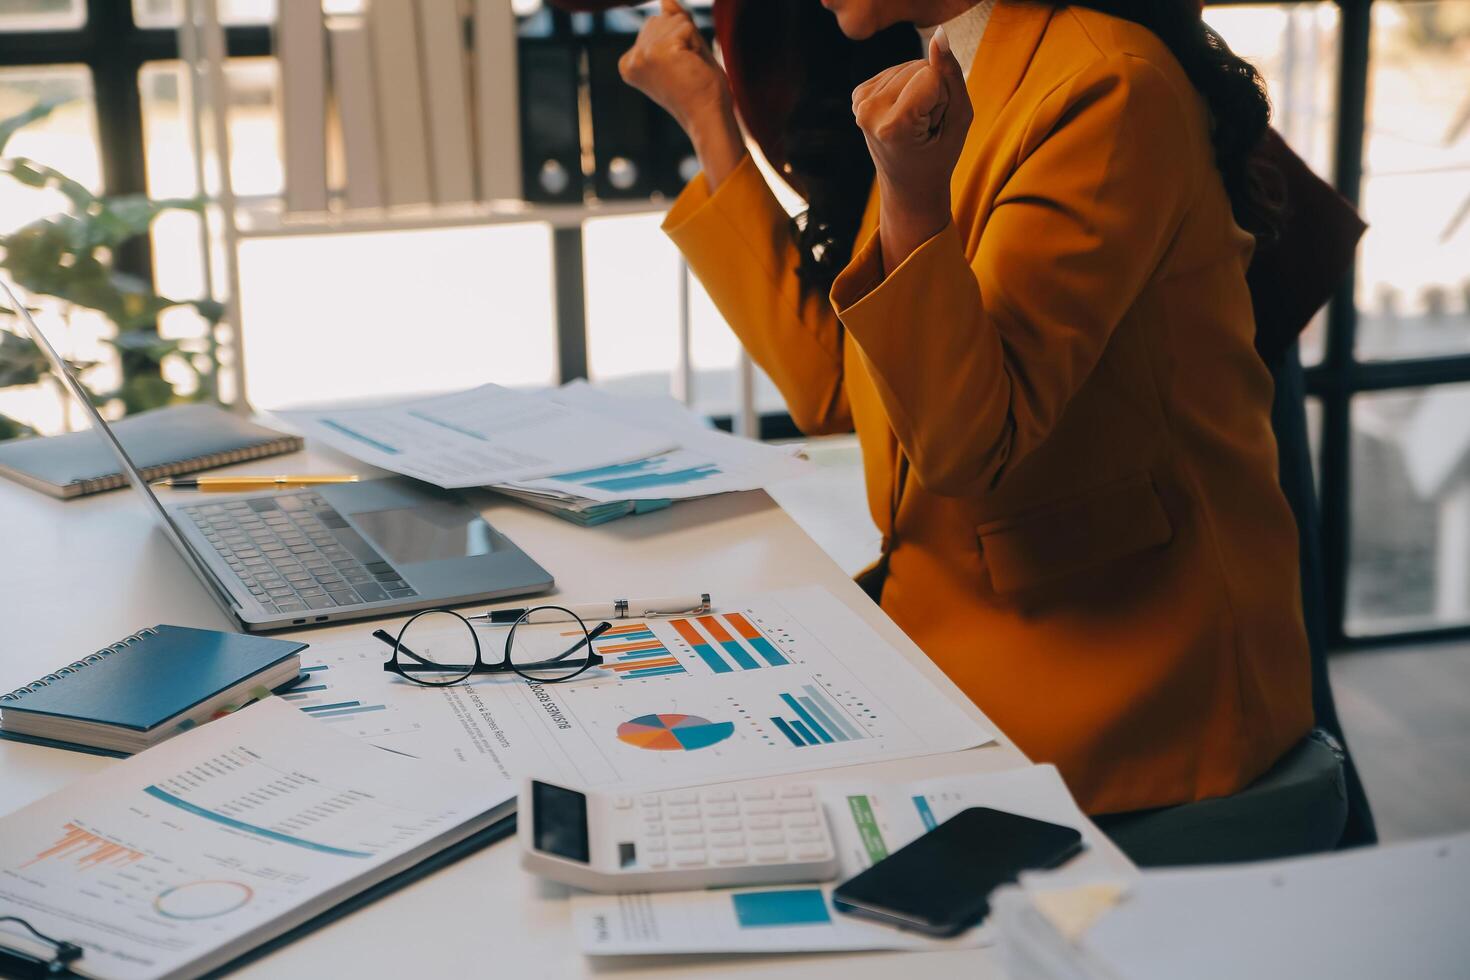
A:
{"x": 559, "y": 822}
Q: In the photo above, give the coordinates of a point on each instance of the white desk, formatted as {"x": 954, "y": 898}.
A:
{"x": 75, "y": 576}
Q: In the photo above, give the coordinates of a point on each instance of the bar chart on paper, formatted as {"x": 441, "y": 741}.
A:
{"x": 318, "y": 698}
{"x": 720, "y": 643}
{"x": 346, "y": 702}
{"x": 84, "y": 849}
{"x": 729, "y": 642}
{"x": 634, "y": 651}
{"x": 669, "y": 470}
{"x": 813, "y": 718}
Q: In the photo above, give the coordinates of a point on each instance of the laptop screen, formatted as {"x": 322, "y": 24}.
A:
{"x": 79, "y": 399}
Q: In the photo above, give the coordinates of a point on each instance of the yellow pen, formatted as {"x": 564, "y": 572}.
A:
{"x": 237, "y": 483}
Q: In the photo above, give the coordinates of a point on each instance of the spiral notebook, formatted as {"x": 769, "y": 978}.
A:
{"x": 164, "y": 442}
{"x": 147, "y": 687}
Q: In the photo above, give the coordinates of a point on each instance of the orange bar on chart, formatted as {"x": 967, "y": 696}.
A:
{"x": 716, "y": 629}
{"x": 644, "y": 664}
{"x": 742, "y": 626}
{"x": 733, "y": 649}
{"x": 631, "y": 647}
{"x": 629, "y": 628}
{"x": 756, "y": 639}
{"x": 88, "y": 849}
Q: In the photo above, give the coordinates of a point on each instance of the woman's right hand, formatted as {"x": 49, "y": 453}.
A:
{"x": 671, "y": 63}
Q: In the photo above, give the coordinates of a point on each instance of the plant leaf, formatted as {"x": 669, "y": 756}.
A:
{"x": 147, "y": 343}
{"x": 21, "y": 362}
{"x": 38, "y": 111}
{"x": 12, "y": 429}
{"x": 38, "y": 175}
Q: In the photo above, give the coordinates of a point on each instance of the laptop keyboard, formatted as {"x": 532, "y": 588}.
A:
{"x": 295, "y": 553}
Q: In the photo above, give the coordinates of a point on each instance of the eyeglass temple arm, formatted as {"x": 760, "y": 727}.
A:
{"x": 392, "y": 641}
{"x": 593, "y": 634}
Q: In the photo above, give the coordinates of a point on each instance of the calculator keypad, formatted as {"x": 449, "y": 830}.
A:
{"x": 726, "y": 827}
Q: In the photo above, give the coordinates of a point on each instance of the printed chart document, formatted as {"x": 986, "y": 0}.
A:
{"x": 183, "y": 857}
{"x": 479, "y": 437}
{"x": 786, "y": 682}
{"x": 869, "y": 822}
{"x": 706, "y": 461}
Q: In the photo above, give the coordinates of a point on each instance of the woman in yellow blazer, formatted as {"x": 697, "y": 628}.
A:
{"x": 1043, "y": 339}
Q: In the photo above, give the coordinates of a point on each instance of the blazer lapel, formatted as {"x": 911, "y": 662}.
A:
{"x": 1006, "y": 49}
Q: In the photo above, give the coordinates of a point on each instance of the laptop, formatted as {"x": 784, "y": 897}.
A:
{"x": 282, "y": 560}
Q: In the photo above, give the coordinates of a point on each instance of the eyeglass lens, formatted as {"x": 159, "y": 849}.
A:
{"x": 437, "y": 647}
{"x": 549, "y": 652}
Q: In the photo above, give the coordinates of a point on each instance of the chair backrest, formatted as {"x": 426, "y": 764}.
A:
{"x": 1289, "y": 421}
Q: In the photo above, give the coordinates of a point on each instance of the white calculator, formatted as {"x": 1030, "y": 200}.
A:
{"x": 681, "y": 839}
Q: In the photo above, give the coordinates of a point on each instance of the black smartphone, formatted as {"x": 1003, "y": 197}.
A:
{"x": 940, "y": 884}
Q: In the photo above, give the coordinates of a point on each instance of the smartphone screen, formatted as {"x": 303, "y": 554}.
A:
{"x": 940, "y": 884}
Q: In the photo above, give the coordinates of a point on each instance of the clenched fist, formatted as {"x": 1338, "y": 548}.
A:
{"x": 914, "y": 117}
{"x": 671, "y": 64}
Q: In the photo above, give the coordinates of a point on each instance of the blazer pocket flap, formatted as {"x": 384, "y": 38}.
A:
{"x": 1114, "y": 522}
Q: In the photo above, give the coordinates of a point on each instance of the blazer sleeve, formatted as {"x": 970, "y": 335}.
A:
{"x": 975, "y": 358}
{"x": 739, "y": 242}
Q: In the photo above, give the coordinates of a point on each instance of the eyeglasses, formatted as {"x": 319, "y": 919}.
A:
{"x": 439, "y": 647}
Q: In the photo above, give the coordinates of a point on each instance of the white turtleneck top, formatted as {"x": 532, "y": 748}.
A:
{"x": 964, "y": 33}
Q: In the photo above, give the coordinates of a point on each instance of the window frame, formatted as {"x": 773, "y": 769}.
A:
{"x": 1341, "y": 374}
{"x": 114, "y": 49}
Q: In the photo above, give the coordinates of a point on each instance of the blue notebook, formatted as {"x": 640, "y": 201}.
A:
{"x": 151, "y": 685}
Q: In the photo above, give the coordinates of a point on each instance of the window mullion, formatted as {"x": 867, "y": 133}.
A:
{"x": 1339, "y": 362}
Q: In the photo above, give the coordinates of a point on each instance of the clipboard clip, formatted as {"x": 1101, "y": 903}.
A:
{"x": 28, "y": 964}
{"x": 32, "y": 965}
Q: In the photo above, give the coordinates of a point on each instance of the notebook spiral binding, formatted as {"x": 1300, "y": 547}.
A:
{"x": 72, "y": 668}
{"x": 194, "y": 464}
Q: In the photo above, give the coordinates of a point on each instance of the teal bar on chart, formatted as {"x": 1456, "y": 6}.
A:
{"x": 794, "y": 907}
{"x": 806, "y": 716}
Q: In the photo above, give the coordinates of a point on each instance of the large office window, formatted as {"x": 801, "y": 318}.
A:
{"x": 1376, "y": 97}
{"x": 1374, "y": 94}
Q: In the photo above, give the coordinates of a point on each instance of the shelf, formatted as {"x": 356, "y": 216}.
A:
{"x": 265, "y": 217}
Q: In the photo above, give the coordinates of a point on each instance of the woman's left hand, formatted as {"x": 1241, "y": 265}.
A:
{"x": 914, "y": 117}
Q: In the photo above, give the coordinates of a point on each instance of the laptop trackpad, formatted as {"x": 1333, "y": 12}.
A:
{"x": 426, "y": 532}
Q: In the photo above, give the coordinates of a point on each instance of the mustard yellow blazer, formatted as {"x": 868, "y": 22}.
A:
{"x": 1065, "y": 428}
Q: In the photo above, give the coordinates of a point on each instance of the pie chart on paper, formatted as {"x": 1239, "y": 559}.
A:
{"x": 674, "y": 733}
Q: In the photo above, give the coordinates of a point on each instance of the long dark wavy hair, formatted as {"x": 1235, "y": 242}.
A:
{"x": 793, "y": 72}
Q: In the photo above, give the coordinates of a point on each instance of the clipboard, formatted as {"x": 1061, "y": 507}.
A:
{"x": 17, "y": 966}
{"x": 499, "y": 830}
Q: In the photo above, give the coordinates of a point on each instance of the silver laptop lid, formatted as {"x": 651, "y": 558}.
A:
{"x": 79, "y": 395}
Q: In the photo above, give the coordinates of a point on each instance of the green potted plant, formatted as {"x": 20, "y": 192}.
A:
{"x": 70, "y": 257}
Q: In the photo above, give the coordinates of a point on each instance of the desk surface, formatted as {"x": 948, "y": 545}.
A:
{"x": 76, "y": 575}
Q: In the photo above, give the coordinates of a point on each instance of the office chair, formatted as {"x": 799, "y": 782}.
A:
{"x": 1312, "y": 799}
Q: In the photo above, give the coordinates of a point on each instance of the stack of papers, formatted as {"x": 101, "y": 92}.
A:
{"x": 477, "y": 438}
{"x": 705, "y": 462}
{"x": 1392, "y": 911}
{"x": 583, "y": 454}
